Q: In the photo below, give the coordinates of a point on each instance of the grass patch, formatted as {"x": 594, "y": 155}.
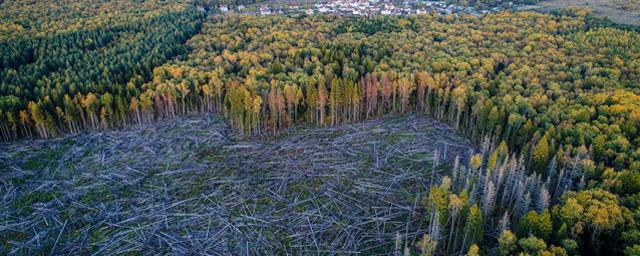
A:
{"x": 8, "y": 236}
{"x": 97, "y": 197}
{"x": 25, "y": 203}
{"x": 46, "y": 156}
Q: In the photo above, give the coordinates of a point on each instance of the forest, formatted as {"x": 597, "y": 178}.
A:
{"x": 52, "y": 73}
{"x": 554, "y": 96}
{"x": 551, "y": 100}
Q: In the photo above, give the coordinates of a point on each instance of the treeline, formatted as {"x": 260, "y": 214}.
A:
{"x": 68, "y": 82}
{"x": 225, "y": 2}
{"x": 215, "y": 4}
{"x": 490, "y": 3}
{"x": 596, "y": 22}
{"x": 24, "y": 18}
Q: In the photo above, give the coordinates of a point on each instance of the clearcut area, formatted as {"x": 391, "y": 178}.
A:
{"x": 191, "y": 185}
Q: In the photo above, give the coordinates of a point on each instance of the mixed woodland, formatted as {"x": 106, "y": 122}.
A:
{"x": 551, "y": 100}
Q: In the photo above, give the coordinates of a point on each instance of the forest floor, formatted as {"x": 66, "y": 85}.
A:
{"x": 190, "y": 185}
{"x": 619, "y": 11}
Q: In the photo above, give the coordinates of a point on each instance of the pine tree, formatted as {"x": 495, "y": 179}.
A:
{"x": 312, "y": 100}
{"x": 539, "y": 225}
{"x": 456, "y": 205}
{"x": 532, "y": 245}
{"x": 385, "y": 93}
{"x": 476, "y": 162}
{"x": 507, "y": 243}
{"x": 90, "y": 103}
{"x": 427, "y": 245}
{"x": 488, "y": 197}
{"x": 291, "y": 101}
{"x": 459, "y": 95}
{"x": 540, "y": 157}
{"x": 335, "y": 98}
{"x": 406, "y": 88}
{"x": 473, "y": 229}
{"x": 322, "y": 99}
{"x": 356, "y": 99}
{"x": 474, "y": 250}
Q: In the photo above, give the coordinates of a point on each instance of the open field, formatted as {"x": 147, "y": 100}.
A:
{"x": 191, "y": 185}
{"x": 619, "y": 11}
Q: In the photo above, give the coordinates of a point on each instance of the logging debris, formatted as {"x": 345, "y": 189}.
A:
{"x": 192, "y": 185}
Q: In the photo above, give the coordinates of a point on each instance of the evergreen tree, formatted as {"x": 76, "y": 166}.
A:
{"x": 540, "y": 156}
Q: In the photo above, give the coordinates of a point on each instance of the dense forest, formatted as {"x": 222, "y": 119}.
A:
{"x": 216, "y": 3}
{"x": 77, "y": 67}
{"x": 553, "y": 101}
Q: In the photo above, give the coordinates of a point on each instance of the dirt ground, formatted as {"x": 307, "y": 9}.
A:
{"x": 619, "y": 11}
